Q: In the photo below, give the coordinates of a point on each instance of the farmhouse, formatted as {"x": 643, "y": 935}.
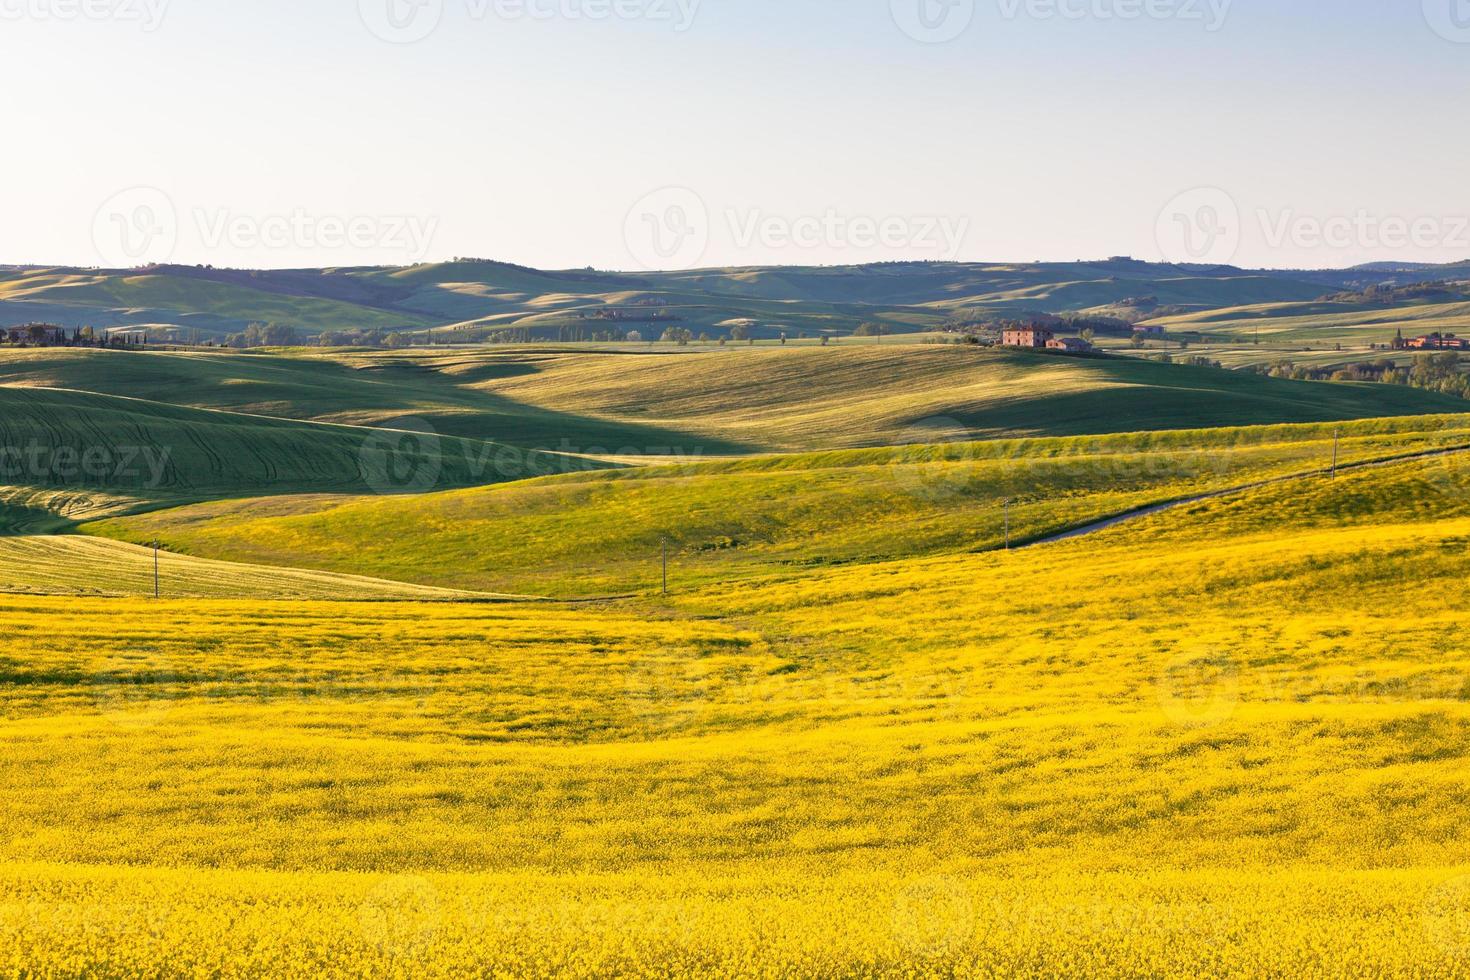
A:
{"x": 42, "y": 334}
{"x": 1147, "y": 330}
{"x": 1032, "y": 336}
{"x": 1075, "y": 345}
{"x": 1433, "y": 341}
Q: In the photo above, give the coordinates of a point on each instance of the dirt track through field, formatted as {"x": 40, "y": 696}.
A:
{"x": 1134, "y": 515}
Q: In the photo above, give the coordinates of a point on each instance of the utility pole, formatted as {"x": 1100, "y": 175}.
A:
{"x": 1008, "y": 525}
{"x": 155, "y": 568}
{"x": 1336, "y": 438}
{"x": 666, "y": 566}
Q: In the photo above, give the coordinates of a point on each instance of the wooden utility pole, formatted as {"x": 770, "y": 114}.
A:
{"x": 1008, "y": 525}
{"x": 666, "y": 566}
{"x": 155, "y": 568}
{"x": 1336, "y": 438}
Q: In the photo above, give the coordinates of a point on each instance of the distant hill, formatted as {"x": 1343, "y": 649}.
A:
{"x": 478, "y": 299}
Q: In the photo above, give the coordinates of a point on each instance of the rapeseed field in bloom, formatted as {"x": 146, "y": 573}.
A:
{"x": 1220, "y": 740}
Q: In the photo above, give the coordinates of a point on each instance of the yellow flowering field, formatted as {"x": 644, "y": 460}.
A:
{"x": 1163, "y": 750}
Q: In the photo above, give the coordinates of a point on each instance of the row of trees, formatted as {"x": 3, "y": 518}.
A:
{"x": 1439, "y": 372}
{"x": 50, "y": 335}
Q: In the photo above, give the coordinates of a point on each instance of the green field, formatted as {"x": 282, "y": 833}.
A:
{"x": 718, "y": 402}
{"x": 604, "y": 533}
{"x": 383, "y": 725}
{"x": 74, "y": 453}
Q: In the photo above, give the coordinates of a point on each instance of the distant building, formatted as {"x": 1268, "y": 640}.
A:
{"x": 1032, "y": 336}
{"x": 41, "y": 334}
{"x": 1147, "y": 330}
{"x": 1074, "y": 345}
{"x": 1433, "y": 341}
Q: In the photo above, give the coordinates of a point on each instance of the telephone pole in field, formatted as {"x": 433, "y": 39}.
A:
{"x": 1008, "y": 525}
{"x": 155, "y": 568}
{"x": 666, "y": 566}
{"x": 1336, "y": 440}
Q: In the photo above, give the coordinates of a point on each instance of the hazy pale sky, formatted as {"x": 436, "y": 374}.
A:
{"x": 670, "y": 133}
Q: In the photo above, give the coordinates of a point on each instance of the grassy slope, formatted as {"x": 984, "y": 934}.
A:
{"x": 1321, "y": 323}
{"x": 722, "y": 402}
{"x": 1122, "y": 756}
{"x": 811, "y": 398}
{"x": 349, "y": 388}
{"x": 601, "y": 534}
{"x": 78, "y": 566}
{"x": 176, "y": 298}
{"x": 69, "y": 451}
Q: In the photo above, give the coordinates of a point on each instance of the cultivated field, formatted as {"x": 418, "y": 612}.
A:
{"x": 857, "y": 737}
{"x": 1124, "y": 755}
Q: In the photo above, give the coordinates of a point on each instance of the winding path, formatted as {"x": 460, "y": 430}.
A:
{"x": 1142, "y": 512}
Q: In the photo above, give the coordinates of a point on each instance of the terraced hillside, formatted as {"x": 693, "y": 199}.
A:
{"x": 720, "y": 402}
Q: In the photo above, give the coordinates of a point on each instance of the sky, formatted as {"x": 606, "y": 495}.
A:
{"x": 641, "y": 134}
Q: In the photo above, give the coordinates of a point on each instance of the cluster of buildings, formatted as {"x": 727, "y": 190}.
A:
{"x": 51, "y": 335}
{"x": 1432, "y": 341}
{"x": 1039, "y": 337}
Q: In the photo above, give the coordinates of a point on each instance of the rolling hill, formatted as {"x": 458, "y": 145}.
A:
{"x": 718, "y": 402}
{"x": 602, "y": 533}
{"x": 1222, "y": 735}
{"x": 72, "y": 453}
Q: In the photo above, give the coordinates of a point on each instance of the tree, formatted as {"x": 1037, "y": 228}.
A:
{"x": 740, "y": 331}
{"x": 871, "y": 329}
